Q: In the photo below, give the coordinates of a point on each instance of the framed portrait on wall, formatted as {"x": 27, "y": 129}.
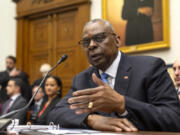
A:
{"x": 141, "y": 24}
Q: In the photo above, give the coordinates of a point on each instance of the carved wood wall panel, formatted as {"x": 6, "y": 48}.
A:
{"x": 39, "y": 34}
{"x": 67, "y": 67}
{"x": 26, "y": 7}
{"x": 36, "y": 60}
{"x": 67, "y": 44}
{"x": 46, "y": 31}
{"x": 66, "y": 27}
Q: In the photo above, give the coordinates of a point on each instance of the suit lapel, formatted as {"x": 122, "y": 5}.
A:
{"x": 15, "y": 103}
{"x": 123, "y": 75}
{"x": 94, "y": 70}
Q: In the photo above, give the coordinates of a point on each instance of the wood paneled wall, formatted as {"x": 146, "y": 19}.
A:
{"x": 47, "y": 29}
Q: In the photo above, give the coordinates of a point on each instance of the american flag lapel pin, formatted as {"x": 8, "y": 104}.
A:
{"x": 125, "y": 77}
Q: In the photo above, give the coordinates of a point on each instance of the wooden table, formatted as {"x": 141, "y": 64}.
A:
{"x": 149, "y": 133}
{"x": 133, "y": 133}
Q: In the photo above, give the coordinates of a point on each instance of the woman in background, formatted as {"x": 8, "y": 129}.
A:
{"x": 53, "y": 88}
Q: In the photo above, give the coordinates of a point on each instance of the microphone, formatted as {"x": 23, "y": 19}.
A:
{"x": 62, "y": 59}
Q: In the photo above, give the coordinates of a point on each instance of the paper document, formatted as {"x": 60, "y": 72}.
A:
{"x": 55, "y": 130}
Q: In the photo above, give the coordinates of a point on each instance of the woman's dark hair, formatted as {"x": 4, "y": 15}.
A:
{"x": 58, "y": 82}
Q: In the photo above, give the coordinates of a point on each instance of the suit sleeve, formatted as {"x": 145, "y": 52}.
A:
{"x": 64, "y": 116}
{"x": 161, "y": 111}
{"x": 22, "y": 114}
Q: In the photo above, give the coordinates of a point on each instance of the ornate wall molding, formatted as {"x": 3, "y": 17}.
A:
{"x": 40, "y": 1}
{"x": 16, "y": 1}
{"x": 35, "y": 1}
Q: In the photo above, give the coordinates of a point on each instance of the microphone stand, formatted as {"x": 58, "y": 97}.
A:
{"x": 63, "y": 58}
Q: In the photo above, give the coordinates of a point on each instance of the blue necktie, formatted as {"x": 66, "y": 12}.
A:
{"x": 104, "y": 77}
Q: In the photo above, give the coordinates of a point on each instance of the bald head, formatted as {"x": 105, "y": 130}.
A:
{"x": 176, "y": 68}
{"x": 105, "y": 23}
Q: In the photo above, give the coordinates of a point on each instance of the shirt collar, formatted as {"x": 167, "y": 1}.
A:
{"x": 178, "y": 89}
{"x": 39, "y": 102}
{"x": 112, "y": 70}
{"x": 15, "y": 96}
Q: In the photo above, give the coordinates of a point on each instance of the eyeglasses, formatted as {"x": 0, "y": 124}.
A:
{"x": 98, "y": 38}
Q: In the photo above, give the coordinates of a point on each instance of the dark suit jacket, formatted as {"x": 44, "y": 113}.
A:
{"x": 150, "y": 96}
{"x": 42, "y": 120}
{"x": 20, "y": 102}
{"x": 4, "y": 78}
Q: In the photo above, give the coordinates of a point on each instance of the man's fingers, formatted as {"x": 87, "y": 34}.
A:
{"x": 124, "y": 124}
{"x": 129, "y": 125}
{"x": 79, "y": 99}
{"x": 111, "y": 128}
{"x": 119, "y": 124}
{"x": 89, "y": 91}
{"x": 81, "y": 111}
{"x": 79, "y": 106}
{"x": 98, "y": 81}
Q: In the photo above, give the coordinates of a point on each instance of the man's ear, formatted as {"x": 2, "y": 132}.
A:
{"x": 118, "y": 41}
{"x": 18, "y": 88}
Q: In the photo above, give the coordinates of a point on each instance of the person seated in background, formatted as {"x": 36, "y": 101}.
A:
{"x": 134, "y": 92}
{"x": 44, "y": 68}
{"x": 53, "y": 90}
{"x": 10, "y": 72}
{"x": 176, "y": 69}
{"x": 15, "y": 101}
{"x": 0, "y": 105}
{"x": 38, "y": 99}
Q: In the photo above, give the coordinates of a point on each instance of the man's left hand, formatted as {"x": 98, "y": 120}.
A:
{"x": 103, "y": 123}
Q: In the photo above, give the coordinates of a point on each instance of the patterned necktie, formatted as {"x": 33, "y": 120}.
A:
{"x": 104, "y": 77}
{"x": 8, "y": 106}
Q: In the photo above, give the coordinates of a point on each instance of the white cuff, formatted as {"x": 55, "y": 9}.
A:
{"x": 123, "y": 114}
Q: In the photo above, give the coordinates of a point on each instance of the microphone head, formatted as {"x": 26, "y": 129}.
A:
{"x": 63, "y": 58}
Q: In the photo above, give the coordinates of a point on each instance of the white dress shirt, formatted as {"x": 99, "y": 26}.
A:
{"x": 38, "y": 104}
{"x": 112, "y": 71}
{"x": 178, "y": 90}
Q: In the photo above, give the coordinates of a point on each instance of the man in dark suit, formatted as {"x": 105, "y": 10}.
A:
{"x": 176, "y": 69}
{"x": 10, "y": 72}
{"x": 138, "y": 14}
{"x": 16, "y": 101}
{"x": 137, "y": 92}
